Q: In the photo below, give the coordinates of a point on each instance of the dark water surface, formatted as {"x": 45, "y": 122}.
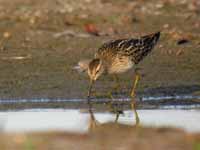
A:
{"x": 152, "y": 102}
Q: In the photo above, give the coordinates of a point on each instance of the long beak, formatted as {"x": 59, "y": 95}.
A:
{"x": 89, "y": 90}
{"x": 88, "y": 99}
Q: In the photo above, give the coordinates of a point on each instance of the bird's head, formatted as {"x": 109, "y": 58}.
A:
{"x": 95, "y": 69}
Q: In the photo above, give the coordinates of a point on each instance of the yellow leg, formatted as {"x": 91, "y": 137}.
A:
{"x": 137, "y": 119}
{"x": 110, "y": 107}
{"x": 137, "y": 77}
{"x": 118, "y": 87}
{"x": 133, "y": 104}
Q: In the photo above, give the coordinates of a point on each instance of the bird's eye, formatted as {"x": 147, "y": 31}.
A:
{"x": 97, "y": 71}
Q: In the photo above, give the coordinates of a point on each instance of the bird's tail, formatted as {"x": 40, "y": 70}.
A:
{"x": 145, "y": 45}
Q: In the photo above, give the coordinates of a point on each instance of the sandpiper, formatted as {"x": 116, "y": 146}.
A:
{"x": 118, "y": 56}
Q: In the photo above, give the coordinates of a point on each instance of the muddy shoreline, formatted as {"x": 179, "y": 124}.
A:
{"x": 42, "y": 41}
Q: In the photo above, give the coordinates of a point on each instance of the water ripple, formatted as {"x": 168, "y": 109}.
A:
{"x": 149, "y": 98}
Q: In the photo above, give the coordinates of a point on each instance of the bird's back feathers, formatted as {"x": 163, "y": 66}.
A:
{"x": 136, "y": 49}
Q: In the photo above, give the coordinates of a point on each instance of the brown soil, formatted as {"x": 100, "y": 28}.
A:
{"x": 104, "y": 137}
{"x": 42, "y": 40}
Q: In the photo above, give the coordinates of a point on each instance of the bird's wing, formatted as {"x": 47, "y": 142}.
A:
{"x": 136, "y": 49}
{"x": 110, "y": 47}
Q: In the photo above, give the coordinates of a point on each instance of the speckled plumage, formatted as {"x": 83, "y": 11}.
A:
{"x": 115, "y": 57}
{"x": 120, "y": 55}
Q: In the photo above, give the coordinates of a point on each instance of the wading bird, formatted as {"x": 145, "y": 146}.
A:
{"x": 118, "y": 56}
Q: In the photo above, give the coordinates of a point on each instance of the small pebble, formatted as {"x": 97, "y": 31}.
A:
{"x": 182, "y": 41}
{"x": 6, "y": 35}
{"x": 166, "y": 26}
{"x": 32, "y": 20}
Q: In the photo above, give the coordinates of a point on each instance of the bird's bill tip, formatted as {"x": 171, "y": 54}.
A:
{"x": 77, "y": 67}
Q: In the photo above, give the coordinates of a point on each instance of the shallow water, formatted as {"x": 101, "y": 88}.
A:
{"x": 75, "y": 121}
{"x": 23, "y": 115}
{"x": 149, "y": 98}
{"x": 151, "y": 102}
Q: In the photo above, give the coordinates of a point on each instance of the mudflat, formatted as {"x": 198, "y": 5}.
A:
{"x": 41, "y": 41}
